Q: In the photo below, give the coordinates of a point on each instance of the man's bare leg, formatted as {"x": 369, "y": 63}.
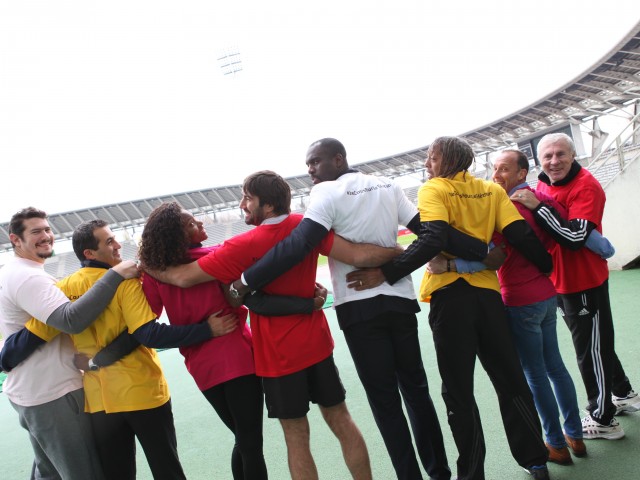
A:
{"x": 296, "y": 435}
{"x": 354, "y": 449}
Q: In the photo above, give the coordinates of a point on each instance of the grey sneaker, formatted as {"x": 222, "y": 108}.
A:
{"x": 592, "y": 429}
{"x": 628, "y": 404}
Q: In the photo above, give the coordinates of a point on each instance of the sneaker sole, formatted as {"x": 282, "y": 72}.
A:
{"x": 606, "y": 436}
{"x": 628, "y": 409}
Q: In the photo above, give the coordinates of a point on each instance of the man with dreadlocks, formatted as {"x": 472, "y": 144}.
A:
{"x": 467, "y": 315}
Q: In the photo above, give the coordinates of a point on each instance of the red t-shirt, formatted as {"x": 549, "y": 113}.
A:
{"x": 219, "y": 359}
{"x": 521, "y": 283}
{"x": 583, "y": 197}
{"x": 282, "y": 344}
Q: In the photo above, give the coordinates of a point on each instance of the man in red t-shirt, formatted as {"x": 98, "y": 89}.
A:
{"x": 580, "y": 277}
{"x": 293, "y": 353}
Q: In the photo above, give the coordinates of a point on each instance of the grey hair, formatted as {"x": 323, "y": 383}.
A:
{"x": 556, "y": 137}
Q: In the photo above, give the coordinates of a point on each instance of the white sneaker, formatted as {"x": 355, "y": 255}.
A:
{"x": 628, "y": 404}
{"x": 592, "y": 429}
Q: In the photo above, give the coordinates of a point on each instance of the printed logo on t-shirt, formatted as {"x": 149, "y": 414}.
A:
{"x": 368, "y": 189}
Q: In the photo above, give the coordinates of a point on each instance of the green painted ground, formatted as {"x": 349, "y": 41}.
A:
{"x": 205, "y": 444}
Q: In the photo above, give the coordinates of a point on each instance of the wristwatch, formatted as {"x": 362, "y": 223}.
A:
{"x": 234, "y": 292}
{"x": 92, "y": 366}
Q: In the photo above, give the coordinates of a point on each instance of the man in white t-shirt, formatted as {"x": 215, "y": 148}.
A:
{"x": 46, "y": 388}
{"x": 379, "y": 324}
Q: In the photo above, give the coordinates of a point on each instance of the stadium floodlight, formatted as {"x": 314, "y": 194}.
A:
{"x": 230, "y": 61}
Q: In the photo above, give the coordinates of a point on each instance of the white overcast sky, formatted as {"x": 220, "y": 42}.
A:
{"x": 102, "y": 102}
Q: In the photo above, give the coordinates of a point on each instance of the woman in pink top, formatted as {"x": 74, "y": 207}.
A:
{"x": 222, "y": 367}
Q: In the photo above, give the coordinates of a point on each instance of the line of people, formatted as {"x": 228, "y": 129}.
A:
{"x": 465, "y": 303}
{"x": 285, "y": 358}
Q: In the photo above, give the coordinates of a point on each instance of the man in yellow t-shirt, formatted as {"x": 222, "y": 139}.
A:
{"x": 467, "y": 315}
{"x": 129, "y": 398}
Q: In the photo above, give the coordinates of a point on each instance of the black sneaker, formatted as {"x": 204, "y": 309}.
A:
{"x": 539, "y": 472}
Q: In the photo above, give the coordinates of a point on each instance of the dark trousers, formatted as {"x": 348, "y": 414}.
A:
{"x": 386, "y": 353}
{"x": 239, "y": 403}
{"x": 467, "y": 321}
{"x": 115, "y": 435}
{"x": 588, "y": 316}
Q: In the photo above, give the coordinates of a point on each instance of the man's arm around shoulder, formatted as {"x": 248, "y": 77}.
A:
{"x": 77, "y": 316}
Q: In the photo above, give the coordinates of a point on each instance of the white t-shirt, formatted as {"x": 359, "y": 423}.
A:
{"x": 363, "y": 209}
{"x": 26, "y": 291}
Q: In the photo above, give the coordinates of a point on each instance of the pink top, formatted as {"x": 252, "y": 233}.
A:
{"x": 521, "y": 283}
{"x": 219, "y": 359}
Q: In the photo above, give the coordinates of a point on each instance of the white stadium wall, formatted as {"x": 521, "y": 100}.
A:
{"x": 621, "y": 222}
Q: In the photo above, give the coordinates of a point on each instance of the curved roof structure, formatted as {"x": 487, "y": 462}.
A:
{"x": 610, "y": 84}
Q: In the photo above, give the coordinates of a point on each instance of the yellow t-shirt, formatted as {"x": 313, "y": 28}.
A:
{"x": 135, "y": 382}
{"x": 473, "y": 206}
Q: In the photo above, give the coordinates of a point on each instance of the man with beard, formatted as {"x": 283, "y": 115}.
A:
{"x": 380, "y": 325}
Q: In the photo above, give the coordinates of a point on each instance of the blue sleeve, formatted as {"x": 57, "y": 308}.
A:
{"x": 469, "y": 266}
{"x": 17, "y": 348}
{"x": 159, "y": 335}
{"x": 600, "y": 245}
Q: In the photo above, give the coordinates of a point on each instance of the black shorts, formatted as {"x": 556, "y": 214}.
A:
{"x": 288, "y": 396}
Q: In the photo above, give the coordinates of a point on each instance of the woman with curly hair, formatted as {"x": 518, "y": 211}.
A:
{"x": 222, "y": 367}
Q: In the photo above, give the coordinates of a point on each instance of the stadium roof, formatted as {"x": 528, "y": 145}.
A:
{"x": 610, "y": 84}
{"x": 208, "y": 201}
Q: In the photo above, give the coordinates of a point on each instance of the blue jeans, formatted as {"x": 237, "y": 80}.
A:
{"x": 534, "y": 333}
